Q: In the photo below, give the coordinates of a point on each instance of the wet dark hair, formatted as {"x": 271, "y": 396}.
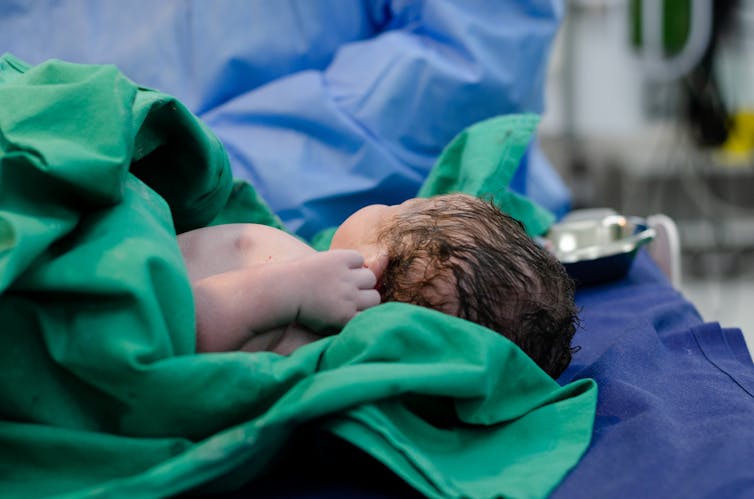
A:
{"x": 502, "y": 278}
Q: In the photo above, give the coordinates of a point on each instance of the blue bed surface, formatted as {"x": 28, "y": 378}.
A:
{"x": 674, "y": 415}
{"x": 676, "y": 404}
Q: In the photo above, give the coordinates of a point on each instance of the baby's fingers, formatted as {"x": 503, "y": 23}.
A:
{"x": 351, "y": 258}
{"x": 365, "y": 278}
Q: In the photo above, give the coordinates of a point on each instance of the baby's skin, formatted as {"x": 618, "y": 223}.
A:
{"x": 257, "y": 288}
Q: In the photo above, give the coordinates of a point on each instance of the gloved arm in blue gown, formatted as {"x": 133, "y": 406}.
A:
{"x": 319, "y": 144}
{"x": 324, "y": 106}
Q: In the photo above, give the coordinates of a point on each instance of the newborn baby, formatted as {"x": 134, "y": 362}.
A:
{"x": 259, "y": 288}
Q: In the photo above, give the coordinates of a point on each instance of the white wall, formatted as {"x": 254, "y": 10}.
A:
{"x": 595, "y": 85}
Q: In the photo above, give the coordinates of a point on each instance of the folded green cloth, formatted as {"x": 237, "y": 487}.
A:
{"x": 102, "y": 392}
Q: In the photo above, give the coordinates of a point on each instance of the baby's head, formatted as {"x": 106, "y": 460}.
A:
{"x": 461, "y": 255}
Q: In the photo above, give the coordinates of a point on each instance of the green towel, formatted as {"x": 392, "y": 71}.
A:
{"x": 102, "y": 392}
{"x": 481, "y": 161}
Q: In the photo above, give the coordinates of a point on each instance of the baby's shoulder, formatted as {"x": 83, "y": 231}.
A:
{"x": 219, "y": 248}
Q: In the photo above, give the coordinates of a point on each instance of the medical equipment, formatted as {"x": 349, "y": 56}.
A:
{"x": 656, "y": 34}
{"x": 597, "y": 247}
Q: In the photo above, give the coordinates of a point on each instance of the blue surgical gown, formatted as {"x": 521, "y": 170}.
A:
{"x": 327, "y": 105}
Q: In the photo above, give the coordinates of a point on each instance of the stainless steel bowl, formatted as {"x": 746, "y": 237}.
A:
{"x": 599, "y": 246}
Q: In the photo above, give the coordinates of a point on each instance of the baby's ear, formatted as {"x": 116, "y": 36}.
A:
{"x": 377, "y": 263}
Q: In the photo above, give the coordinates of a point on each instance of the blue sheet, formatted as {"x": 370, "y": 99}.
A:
{"x": 676, "y": 404}
{"x": 323, "y": 105}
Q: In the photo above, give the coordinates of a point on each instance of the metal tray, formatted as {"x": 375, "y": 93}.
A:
{"x": 597, "y": 246}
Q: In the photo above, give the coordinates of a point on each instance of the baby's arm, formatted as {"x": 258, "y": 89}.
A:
{"x": 321, "y": 291}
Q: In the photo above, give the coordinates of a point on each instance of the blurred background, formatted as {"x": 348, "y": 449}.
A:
{"x": 650, "y": 109}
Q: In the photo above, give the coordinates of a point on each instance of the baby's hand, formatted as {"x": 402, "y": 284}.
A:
{"x": 336, "y": 287}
